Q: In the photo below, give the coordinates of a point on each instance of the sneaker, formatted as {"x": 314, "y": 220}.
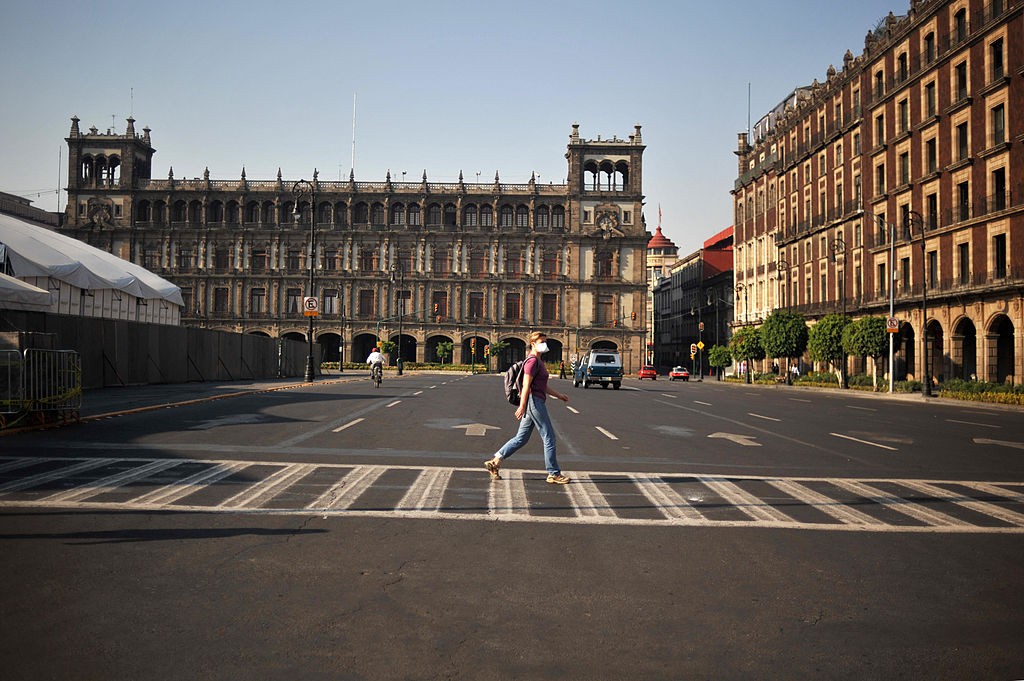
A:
{"x": 558, "y": 479}
{"x": 493, "y": 468}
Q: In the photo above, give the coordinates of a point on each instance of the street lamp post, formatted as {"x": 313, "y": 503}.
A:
{"x": 839, "y": 250}
{"x": 782, "y": 265}
{"x": 892, "y": 291}
{"x": 300, "y": 189}
{"x": 914, "y": 216}
{"x": 741, "y": 290}
{"x": 397, "y": 269}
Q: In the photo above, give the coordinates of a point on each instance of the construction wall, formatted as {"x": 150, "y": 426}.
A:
{"x": 118, "y": 352}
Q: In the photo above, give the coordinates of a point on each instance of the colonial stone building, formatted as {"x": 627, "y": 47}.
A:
{"x": 420, "y": 262}
{"x": 902, "y": 173}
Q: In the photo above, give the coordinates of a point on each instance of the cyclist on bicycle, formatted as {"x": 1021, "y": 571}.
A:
{"x": 376, "y": 362}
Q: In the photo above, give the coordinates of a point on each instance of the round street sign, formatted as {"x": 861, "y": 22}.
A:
{"x": 892, "y": 325}
{"x": 310, "y": 306}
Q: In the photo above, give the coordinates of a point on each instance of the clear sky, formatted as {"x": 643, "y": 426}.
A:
{"x": 442, "y": 86}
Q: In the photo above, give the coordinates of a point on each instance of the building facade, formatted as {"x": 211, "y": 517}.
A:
{"x": 661, "y": 255}
{"x": 420, "y": 262}
{"x": 901, "y": 175}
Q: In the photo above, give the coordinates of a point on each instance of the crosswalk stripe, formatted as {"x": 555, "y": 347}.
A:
{"x": 508, "y": 495}
{"x": 948, "y": 496}
{"x": 95, "y": 487}
{"x": 343, "y": 494}
{"x": 275, "y": 483}
{"x": 669, "y": 502}
{"x": 899, "y": 504}
{"x": 995, "y": 490}
{"x": 837, "y": 510}
{"x": 744, "y": 501}
{"x": 427, "y": 491}
{"x": 586, "y": 498}
{"x": 168, "y": 494}
{"x": 14, "y": 464}
{"x": 25, "y": 483}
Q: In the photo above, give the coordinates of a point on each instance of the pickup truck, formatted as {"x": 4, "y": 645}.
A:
{"x": 603, "y": 367}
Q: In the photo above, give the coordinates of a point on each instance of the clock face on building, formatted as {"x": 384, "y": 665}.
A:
{"x": 607, "y": 223}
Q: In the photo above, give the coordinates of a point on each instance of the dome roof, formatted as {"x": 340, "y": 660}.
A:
{"x": 659, "y": 240}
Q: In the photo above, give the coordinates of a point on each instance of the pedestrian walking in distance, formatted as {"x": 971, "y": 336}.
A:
{"x": 533, "y": 413}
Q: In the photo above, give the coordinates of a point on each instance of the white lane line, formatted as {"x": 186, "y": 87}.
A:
{"x": 797, "y": 399}
{"x": 347, "y": 425}
{"x": 343, "y": 493}
{"x": 168, "y": 494}
{"x": 759, "y": 416}
{"x": 669, "y": 396}
{"x": 586, "y": 498}
{"x": 25, "y": 483}
{"x": 669, "y": 502}
{"x": 756, "y": 508}
{"x": 94, "y": 487}
{"x": 899, "y": 504}
{"x": 427, "y": 491}
{"x": 606, "y": 433}
{"x": 825, "y": 504}
{"x": 574, "y": 411}
{"x": 864, "y": 442}
{"x": 418, "y": 392}
{"x": 706, "y": 404}
{"x": 266, "y": 489}
{"x": 850, "y": 406}
{"x": 431, "y": 387}
{"x": 949, "y": 496}
{"x": 14, "y": 464}
{"x": 394, "y": 403}
{"x": 973, "y": 423}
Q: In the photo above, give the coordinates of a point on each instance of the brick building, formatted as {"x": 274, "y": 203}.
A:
{"x": 916, "y": 142}
{"x": 468, "y": 263}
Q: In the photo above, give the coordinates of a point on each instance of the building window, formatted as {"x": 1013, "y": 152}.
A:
{"x": 361, "y": 214}
{"x": 904, "y": 108}
{"x": 879, "y": 129}
{"x": 366, "y": 300}
{"x": 929, "y": 99}
{"x": 929, "y": 48}
{"x": 905, "y": 274}
{"x": 931, "y": 155}
{"x": 377, "y": 214}
{"x": 549, "y": 307}
{"x": 330, "y": 259}
{"x": 367, "y": 259}
{"x": 961, "y": 81}
{"x": 433, "y": 215}
{"x": 965, "y": 262}
{"x": 220, "y": 300}
{"x": 960, "y": 26}
{"x": 441, "y": 261}
{"x": 507, "y": 216}
{"x": 292, "y": 300}
{"x": 880, "y": 281}
{"x": 414, "y": 214}
{"x": 963, "y": 191}
{"x": 998, "y": 125}
{"x": 604, "y": 309}
{"x": 998, "y": 201}
{"x": 550, "y": 264}
{"x": 294, "y": 261}
{"x": 476, "y": 305}
{"x": 522, "y": 217}
{"x": 901, "y": 67}
{"x": 222, "y": 258}
{"x": 486, "y": 216}
{"x": 905, "y": 168}
{"x": 257, "y": 301}
{"x": 439, "y": 300}
{"x": 932, "y": 201}
{"x": 398, "y": 214}
{"x": 880, "y": 179}
{"x": 996, "y": 59}
{"x": 933, "y": 268}
{"x": 259, "y": 260}
{"x": 469, "y": 216}
{"x": 999, "y": 256}
{"x": 558, "y": 217}
{"x": 962, "y": 146}
{"x": 513, "y": 307}
{"x": 856, "y": 144}
{"x": 186, "y": 259}
{"x": 330, "y": 305}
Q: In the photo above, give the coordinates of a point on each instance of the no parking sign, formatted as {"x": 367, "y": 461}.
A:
{"x": 310, "y": 307}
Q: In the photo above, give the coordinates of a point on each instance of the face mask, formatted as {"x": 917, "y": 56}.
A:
{"x": 542, "y": 347}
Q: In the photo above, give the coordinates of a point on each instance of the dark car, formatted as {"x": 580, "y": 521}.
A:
{"x": 681, "y": 373}
{"x": 647, "y": 371}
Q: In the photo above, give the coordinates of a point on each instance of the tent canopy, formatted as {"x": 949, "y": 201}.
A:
{"x": 21, "y": 295}
{"x": 34, "y": 251}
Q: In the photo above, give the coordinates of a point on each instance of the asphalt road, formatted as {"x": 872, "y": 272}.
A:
{"x": 713, "y": 531}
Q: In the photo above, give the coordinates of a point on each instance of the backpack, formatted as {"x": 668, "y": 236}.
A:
{"x": 514, "y": 382}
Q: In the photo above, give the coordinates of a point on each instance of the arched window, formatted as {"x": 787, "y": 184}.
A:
{"x": 341, "y": 214}
{"x": 621, "y": 178}
{"x": 414, "y": 214}
{"x": 268, "y": 213}
{"x": 179, "y": 212}
{"x": 377, "y": 214}
{"x": 159, "y": 212}
{"x": 231, "y": 213}
{"x": 522, "y": 217}
{"x": 85, "y": 169}
{"x": 469, "y": 216}
{"x": 324, "y": 214}
{"x": 398, "y": 214}
{"x": 434, "y": 214}
{"x": 361, "y": 215}
{"x": 590, "y": 180}
{"x": 960, "y": 23}
{"x": 558, "y": 217}
{"x": 607, "y": 175}
{"x": 486, "y": 216}
{"x": 542, "y": 218}
{"x": 216, "y": 213}
{"x": 507, "y": 215}
{"x": 450, "y": 215}
{"x": 143, "y": 212}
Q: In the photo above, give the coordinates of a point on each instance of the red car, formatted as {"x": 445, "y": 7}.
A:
{"x": 647, "y": 371}
{"x": 681, "y": 373}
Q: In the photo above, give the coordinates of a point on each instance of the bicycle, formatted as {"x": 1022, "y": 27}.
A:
{"x": 376, "y": 375}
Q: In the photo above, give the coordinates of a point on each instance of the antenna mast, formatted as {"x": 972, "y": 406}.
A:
{"x": 353, "y": 166}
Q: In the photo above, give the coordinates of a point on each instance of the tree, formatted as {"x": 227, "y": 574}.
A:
{"x": 719, "y": 357}
{"x": 386, "y": 347}
{"x": 444, "y": 350}
{"x": 867, "y": 337}
{"x": 784, "y": 334}
{"x": 825, "y": 342}
{"x": 745, "y": 345}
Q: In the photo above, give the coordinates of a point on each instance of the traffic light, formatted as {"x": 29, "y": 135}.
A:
{"x": 633, "y": 316}
{"x": 472, "y": 343}
{"x": 435, "y": 308}
{"x": 615, "y": 322}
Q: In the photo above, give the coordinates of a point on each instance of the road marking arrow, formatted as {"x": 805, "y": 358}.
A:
{"x": 745, "y": 440}
{"x": 477, "y": 429}
{"x": 1005, "y": 443}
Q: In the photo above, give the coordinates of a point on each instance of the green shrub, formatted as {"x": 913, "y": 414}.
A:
{"x": 818, "y": 378}
{"x": 907, "y": 386}
{"x": 860, "y": 381}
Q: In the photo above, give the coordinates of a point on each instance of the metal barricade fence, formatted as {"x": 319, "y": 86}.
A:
{"x": 52, "y": 380}
{"x": 12, "y": 389}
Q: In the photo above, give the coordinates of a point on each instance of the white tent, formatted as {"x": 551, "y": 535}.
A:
{"x": 38, "y": 252}
{"x": 16, "y": 294}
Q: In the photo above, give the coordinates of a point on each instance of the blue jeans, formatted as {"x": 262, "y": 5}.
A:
{"x": 536, "y": 416}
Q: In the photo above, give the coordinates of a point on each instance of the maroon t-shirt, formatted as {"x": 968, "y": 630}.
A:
{"x": 539, "y": 371}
